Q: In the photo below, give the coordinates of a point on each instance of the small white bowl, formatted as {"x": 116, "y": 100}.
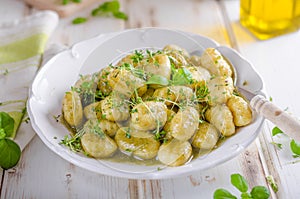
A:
{"x": 63, "y": 70}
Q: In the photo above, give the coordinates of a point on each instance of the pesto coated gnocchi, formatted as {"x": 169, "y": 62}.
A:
{"x": 161, "y": 105}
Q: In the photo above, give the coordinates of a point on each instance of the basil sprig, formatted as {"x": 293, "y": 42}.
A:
{"x": 109, "y": 8}
{"x": 10, "y": 151}
{"x": 239, "y": 182}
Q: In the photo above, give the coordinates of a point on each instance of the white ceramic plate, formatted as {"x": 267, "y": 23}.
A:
{"x": 86, "y": 57}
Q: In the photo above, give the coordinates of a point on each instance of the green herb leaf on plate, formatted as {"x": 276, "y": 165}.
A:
{"x": 182, "y": 77}
{"x": 158, "y": 79}
{"x": 239, "y": 182}
{"x": 10, "y": 153}
{"x": 223, "y": 194}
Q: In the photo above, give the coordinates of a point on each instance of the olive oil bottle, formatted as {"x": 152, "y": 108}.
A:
{"x": 270, "y": 18}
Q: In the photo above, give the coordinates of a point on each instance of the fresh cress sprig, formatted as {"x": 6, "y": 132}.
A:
{"x": 10, "y": 151}
{"x": 239, "y": 182}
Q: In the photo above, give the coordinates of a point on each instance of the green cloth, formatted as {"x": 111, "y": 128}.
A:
{"x": 22, "y": 44}
{"x": 23, "y": 49}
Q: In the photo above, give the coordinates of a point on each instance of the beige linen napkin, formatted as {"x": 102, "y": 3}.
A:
{"x": 22, "y": 44}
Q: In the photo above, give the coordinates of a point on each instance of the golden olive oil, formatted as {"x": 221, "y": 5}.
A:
{"x": 270, "y": 18}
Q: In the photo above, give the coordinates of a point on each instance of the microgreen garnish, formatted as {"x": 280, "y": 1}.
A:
{"x": 73, "y": 142}
{"x": 137, "y": 57}
{"x": 97, "y": 130}
{"x": 160, "y": 135}
{"x": 201, "y": 92}
{"x": 239, "y": 182}
{"x": 10, "y": 151}
{"x": 86, "y": 90}
{"x": 127, "y": 133}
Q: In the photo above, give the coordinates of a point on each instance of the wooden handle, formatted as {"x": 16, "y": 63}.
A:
{"x": 288, "y": 124}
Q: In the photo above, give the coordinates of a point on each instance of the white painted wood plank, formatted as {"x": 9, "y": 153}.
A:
{"x": 201, "y": 17}
{"x": 276, "y": 61}
{"x": 69, "y": 34}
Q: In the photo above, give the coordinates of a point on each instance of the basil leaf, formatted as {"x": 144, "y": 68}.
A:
{"x": 10, "y": 153}
{"x": 246, "y": 195}
{"x": 295, "y": 148}
{"x": 7, "y": 123}
{"x": 158, "y": 79}
{"x": 110, "y": 6}
{"x": 106, "y": 8}
{"x": 2, "y": 133}
{"x": 65, "y": 2}
{"x": 120, "y": 15}
{"x": 260, "y": 192}
{"x": 239, "y": 182}
{"x": 223, "y": 194}
{"x": 79, "y": 20}
{"x": 276, "y": 131}
{"x": 182, "y": 77}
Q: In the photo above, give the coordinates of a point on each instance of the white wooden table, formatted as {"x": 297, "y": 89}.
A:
{"x": 42, "y": 174}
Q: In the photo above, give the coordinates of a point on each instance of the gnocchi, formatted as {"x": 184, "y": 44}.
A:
{"x": 155, "y": 104}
